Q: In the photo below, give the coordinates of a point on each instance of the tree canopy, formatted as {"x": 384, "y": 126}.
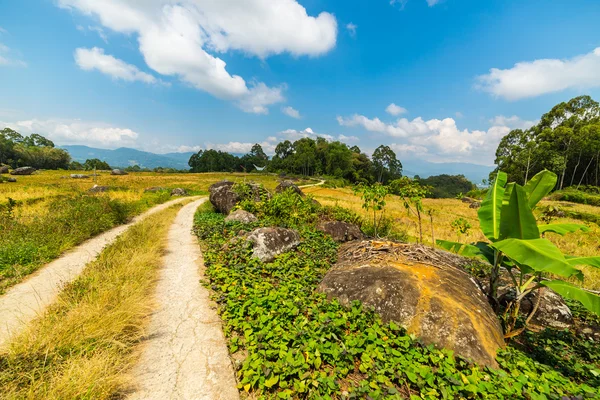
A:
{"x": 565, "y": 141}
{"x": 34, "y": 150}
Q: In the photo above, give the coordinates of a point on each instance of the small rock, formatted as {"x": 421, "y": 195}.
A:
{"x": 178, "y": 192}
{"x": 341, "y": 231}
{"x": 79, "y": 176}
{"x": 467, "y": 200}
{"x": 288, "y": 185}
{"x": 98, "y": 189}
{"x": 23, "y": 171}
{"x": 241, "y": 216}
{"x": 270, "y": 242}
{"x": 11, "y": 180}
{"x": 4, "y": 169}
{"x": 154, "y": 189}
{"x": 118, "y": 172}
{"x": 475, "y": 204}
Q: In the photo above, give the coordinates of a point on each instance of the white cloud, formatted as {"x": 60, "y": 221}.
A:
{"x": 439, "y": 140}
{"x": 95, "y": 59}
{"x": 393, "y": 109}
{"x": 240, "y": 147}
{"x": 100, "y": 32}
{"x": 535, "y": 78}
{"x": 76, "y": 132}
{"x": 187, "y": 149}
{"x": 348, "y": 139}
{"x": 459, "y": 114}
{"x": 175, "y": 38}
{"x": 8, "y": 59}
{"x": 432, "y": 3}
{"x": 408, "y": 149}
{"x": 291, "y": 112}
{"x": 292, "y": 134}
{"x": 351, "y": 29}
{"x": 513, "y": 122}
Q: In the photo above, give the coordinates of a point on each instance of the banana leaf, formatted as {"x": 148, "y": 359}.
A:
{"x": 491, "y": 208}
{"x": 517, "y": 219}
{"x": 539, "y": 186}
{"x": 589, "y": 300}
{"x": 563, "y": 229}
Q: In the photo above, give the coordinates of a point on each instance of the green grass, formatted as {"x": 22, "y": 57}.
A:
{"x": 83, "y": 346}
{"x": 26, "y": 243}
{"x": 291, "y": 342}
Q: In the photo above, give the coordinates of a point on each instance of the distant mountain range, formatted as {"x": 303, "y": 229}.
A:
{"x": 124, "y": 157}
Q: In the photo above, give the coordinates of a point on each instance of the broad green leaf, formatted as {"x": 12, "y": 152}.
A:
{"x": 541, "y": 255}
{"x": 517, "y": 219}
{"x": 589, "y": 300}
{"x": 591, "y": 261}
{"x": 271, "y": 381}
{"x": 480, "y": 249}
{"x": 491, "y": 208}
{"x": 539, "y": 186}
{"x": 563, "y": 229}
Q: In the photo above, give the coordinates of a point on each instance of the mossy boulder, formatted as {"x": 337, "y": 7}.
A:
{"x": 423, "y": 290}
{"x": 267, "y": 243}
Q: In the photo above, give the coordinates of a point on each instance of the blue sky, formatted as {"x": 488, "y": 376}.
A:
{"x": 436, "y": 80}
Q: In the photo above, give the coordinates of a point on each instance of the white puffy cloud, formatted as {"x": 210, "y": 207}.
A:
{"x": 95, "y": 59}
{"x": 8, "y": 58}
{"x": 175, "y": 38}
{"x": 76, "y": 132}
{"x": 513, "y": 122}
{"x": 348, "y": 139}
{"x": 241, "y": 147}
{"x": 187, "y": 149}
{"x": 351, "y": 29}
{"x": 438, "y": 140}
{"x": 535, "y": 78}
{"x": 292, "y": 134}
{"x": 395, "y": 110}
{"x": 291, "y": 112}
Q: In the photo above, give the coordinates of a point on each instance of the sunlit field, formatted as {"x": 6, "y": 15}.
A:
{"x": 445, "y": 211}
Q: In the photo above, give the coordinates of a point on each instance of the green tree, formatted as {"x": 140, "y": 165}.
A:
{"x": 95, "y": 163}
{"x": 387, "y": 166}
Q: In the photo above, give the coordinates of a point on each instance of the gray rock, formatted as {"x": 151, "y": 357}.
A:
{"x": 118, "y": 172}
{"x": 4, "y": 169}
{"x": 270, "y": 242}
{"x": 341, "y": 231}
{"x": 23, "y": 171}
{"x": 11, "y": 180}
{"x": 98, "y": 189}
{"x": 433, "y": 300}
{"x": 154, "y": 189}
{"x": 178, "y": 192}
{"x": 79, "y": 176}
{"x": 288, "y": 185}
{"x": 222, "y": 197}
{"x": 241, "y": 216}
{"x": 475, "y": 204}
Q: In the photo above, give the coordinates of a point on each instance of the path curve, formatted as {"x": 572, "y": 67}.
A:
{"x": 314, "y": 184}
{"x": 28, "y": 299}
{"x": 185, "y": 356}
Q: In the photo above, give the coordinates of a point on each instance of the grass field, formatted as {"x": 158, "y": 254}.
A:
{"x": 45, "y": 214}
{"x": 82, "y": 347}
{"x": 445, "y": 211}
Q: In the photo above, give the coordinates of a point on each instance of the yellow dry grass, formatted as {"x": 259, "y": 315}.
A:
{"x": 83, "y": 346}
{"x": 445, "y": 211}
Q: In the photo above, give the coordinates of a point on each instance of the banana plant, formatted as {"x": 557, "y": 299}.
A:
{"x": 517, "y": 243}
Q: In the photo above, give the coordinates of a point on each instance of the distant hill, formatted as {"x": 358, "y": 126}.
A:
{"x": 124, "y": 157}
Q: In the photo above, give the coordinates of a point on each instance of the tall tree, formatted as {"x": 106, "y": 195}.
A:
{"x": 388, "y": 167}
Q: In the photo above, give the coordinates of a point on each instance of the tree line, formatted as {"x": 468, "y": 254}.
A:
{"x": 565, "y": 141}
{"x": 307, "y": 157}
{"x": 34, "y": 150}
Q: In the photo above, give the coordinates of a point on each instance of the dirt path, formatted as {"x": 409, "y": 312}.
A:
{"x": 185, "y": 356}
{"x": 23, "y": 302}
{"x": 313, "y": 184}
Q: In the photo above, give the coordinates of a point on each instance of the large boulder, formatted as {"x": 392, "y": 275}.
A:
{"x": 222, "y": 197}
{"x": 241, "y": 216}
{"x": 4, "y": 169}
{"x": 79, "y": 176}
{"x": 118, "y": 172}
{"x": 23, "y": 171}
{"x": 341, "y": 231}
{"x": 178, "y": 192}
{"x": 288, "y": 185}
{"x": 270, "y": 242}
{"x": 422, "y": 289}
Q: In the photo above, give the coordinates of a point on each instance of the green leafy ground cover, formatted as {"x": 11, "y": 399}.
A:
{"x": 28, "y": 243}
{"x": 291, "y": 342}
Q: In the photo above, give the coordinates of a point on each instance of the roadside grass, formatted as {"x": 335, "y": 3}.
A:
{"x": 84, "y": 345}
{"x": 445, "y": 211}
{"x": 288, "y": 341}
{"x": 45, "y": 214}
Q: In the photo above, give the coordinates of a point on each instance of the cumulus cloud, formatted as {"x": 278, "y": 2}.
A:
{"x": 438, "y": 140}
{"x": 241, "y": 147}
{"x": 395, "y": 110}
{"x": 292, "y": 134}
{"x": 8, "y": 57}
{"x": 513, "y": 122}
{"x": 176, "y": 38}
{"x": 291, "y": 112}
{"x": 535, "y": 78}
{"x": 76, "y": 132}
{"x": 351, "y": 29}
{"x": 348, "y": 139}
{"x": 95, "y": 59}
